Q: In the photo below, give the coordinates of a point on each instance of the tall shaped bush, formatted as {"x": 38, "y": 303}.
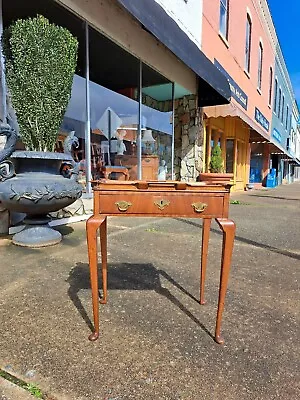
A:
{"x": 216, "y": 161}
{"x": 40, "y": 62}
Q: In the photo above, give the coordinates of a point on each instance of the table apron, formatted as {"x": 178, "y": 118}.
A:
{"x": 183, "y": 204}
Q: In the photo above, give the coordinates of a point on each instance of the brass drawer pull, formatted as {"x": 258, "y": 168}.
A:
{"x": 123, "y": 205}
{"x": 199, "y": 207}
{"x": 161, "y": 204}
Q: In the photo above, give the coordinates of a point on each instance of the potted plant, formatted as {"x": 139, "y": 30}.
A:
{"x": 40, "y": 62}
{"x": 216, "y": 168}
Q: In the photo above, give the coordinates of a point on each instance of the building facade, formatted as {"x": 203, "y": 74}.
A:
{"x": 295, "y": 141}
{"x": 281, "y": 129}
{"x": 153, "y": 82}
{"x": 140, "y": 84}
{"x": 187, "y": 14}
{"x": 240, "y": 39}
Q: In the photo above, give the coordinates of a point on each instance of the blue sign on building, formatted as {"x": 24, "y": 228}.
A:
{"x": 277, "y": 135}
{"x": 237, "y": 93}
{"x": 261, "y": 119}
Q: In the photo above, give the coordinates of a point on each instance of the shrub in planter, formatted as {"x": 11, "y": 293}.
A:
{"x": 216, "y": 161}
{"x": 216, "y": 168}
{"x": 40, "y": 62}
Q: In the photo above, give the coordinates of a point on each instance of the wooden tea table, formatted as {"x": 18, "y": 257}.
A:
{"x": 164, "y": 199}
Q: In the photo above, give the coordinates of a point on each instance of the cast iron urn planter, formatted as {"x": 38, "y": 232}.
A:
{"x": 33, "y": 183}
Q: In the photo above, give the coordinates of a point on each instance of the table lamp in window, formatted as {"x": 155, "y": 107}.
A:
{"x": 148, "y": 142}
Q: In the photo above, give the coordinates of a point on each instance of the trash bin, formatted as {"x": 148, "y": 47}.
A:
{"x": 271, "y": 180}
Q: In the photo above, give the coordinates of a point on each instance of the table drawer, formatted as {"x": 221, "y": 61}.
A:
{"x": 165, "y": 204}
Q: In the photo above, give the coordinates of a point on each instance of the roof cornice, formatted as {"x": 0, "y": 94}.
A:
{"x": 267, "y": 20}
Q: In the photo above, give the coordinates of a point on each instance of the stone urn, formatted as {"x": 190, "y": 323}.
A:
{"x": 37, "y": 183}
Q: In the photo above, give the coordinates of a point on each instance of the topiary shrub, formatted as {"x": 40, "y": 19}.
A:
{"x": 216, "y": 161}
{"x": 40, "y": 62}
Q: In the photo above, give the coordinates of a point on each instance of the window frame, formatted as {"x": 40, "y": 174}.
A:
{"x": 279, "y": 103}
{"x": 275, "y": 96}
{"x": 248, "y": 43}
{"x": 226, "y": 8}
{"x": 260, "y": 65}
{"x": 282, "y": 108}
{"x": 270, "y": 86}
{"x": 287, "y": 117}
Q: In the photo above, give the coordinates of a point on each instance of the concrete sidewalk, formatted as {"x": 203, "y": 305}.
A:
{"x": 156, "y": 340}
{"x": 10, "y": 391}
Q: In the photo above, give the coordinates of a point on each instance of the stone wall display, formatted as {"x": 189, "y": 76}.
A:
{"x": 188, "y": 134}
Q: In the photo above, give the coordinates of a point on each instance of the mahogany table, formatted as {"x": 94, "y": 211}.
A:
{"x": 165, "y": 199}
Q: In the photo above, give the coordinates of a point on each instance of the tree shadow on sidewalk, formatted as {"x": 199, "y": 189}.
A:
{"x": 127, "y": 277}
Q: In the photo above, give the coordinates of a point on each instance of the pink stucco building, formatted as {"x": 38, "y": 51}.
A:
{"x": 236, "y": 38}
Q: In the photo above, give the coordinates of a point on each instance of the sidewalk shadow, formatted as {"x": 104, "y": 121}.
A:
{"x": 274, "y": 197}
{"x": 64, "y": 229}
{"x": 127, "y": 277}
{"x": 247, "y": 241}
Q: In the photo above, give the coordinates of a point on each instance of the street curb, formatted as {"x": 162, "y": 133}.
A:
{"x": 10, "y": 391}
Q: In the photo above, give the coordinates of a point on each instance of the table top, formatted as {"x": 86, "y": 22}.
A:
{"x": 163, "y": 186}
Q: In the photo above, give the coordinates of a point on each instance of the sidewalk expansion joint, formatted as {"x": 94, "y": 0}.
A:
{"x": 32, "y": 389}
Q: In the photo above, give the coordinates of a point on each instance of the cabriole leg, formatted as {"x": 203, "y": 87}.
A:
{"x": 204, "y": 251}
{"x": 103, "y": 244}
{"x": 92, "y": 226}
{"x": 228, "y": 228}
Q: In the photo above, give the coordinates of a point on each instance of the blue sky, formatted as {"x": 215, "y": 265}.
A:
{"x": 286, "y": 18}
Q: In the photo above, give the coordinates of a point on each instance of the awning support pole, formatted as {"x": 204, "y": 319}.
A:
{"x": 139, "y": 135}
{"x": 88, "y": 160}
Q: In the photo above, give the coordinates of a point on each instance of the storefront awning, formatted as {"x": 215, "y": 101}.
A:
{"x": 257, "y": 133}
{"x": 213, "y": 85}
{"x": 234, "y": 111}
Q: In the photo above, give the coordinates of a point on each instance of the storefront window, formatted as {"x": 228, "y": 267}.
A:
{"x": 156, "y": 126}
{"x": 256, "y": 163}
{"x": 239, "y": 160}
{"x": 74, "y": 123}
{"x": 229, "y": 155}
{"x": 114, "y": 97}
{"x": 114, "y": 107}
{"x": 215, "y": 138}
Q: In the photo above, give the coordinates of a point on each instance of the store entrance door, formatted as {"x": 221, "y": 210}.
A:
{"x": 240, "y": 165}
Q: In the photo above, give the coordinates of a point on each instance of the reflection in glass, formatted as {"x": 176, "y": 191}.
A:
{"x": 114, "y": 116}
{"x": 74, "y": 121}
{"x": 113, "y": 111}
{"x": 114, "y": 121}
{"x": 157, "y": 128}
